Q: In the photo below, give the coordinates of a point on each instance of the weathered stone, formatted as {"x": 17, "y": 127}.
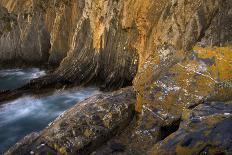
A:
{"x": 86, "y": 43}
{"x": 204, "y": 130}
{"x": 83, "y": 128}
{"x": 142, "y": 134}
{"x": 23, "y": 39}
{"x": 106, "y": 41}
{"x": 103, "y": 39}
{"x": 220, "y": 30}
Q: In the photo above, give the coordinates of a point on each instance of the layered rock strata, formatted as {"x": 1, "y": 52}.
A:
{"x": 179, "y": 52}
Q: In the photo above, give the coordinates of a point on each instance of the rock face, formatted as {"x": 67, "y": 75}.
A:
{"x": 204, "y": 130}
{"x": 178, "y": 52}
{"x": 85, "y": 35}
{"x": 20, "y": 42}
{"x": 218, "y": 33}
{"x": 107, "y": 40}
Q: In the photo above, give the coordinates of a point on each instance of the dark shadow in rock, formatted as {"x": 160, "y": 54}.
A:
{"x": 165, "y": 131}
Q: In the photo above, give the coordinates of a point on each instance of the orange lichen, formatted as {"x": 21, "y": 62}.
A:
{"x": 191, "y": 80}
{"x": 222, "y": 69}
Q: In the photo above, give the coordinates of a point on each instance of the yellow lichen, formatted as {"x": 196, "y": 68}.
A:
{"x": 61, "y": 150}
{"x": 222, "y": 69}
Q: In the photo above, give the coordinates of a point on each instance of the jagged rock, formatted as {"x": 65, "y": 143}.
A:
{"x": 219, "y": 32}
{"x": 198, "y": 78}
{"x": 142, "y": 134}
{"x": 111, "y": 41}
{"x": 86, "y": 43}
{"x": 205, "y": 130}
{"x": 106, "y": 41}
{"x": 23, "y": 39}
{"x": 84, "y": 127}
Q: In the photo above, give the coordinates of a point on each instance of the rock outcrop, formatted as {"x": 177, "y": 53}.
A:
{"x": 177, "y": 51}
{"x": 85, "y": 39}
{"x": 107, "y": 40}
{"x": 204, "y": 130}
{"x": 84, "y": 127}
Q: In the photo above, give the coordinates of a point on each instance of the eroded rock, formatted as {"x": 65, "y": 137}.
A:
{"x": 84, "y": 38}
{"x": 204, "y": 130}
{"x": 107, "y": 41}
{"x": 84, "y": 127}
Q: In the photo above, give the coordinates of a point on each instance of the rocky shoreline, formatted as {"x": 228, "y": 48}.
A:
{"x": 107, "y": 124}
{"x": 175, "y": 56}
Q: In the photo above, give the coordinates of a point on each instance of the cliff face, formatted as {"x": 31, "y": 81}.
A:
{"x": 177, "y": 51}
{"x": 107, "y": 40}
{"x": 85, "y": 35}
{"x": 24, "y": 40}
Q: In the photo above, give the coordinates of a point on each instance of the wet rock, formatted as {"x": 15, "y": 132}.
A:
{"x": 205, "y": 130}
{"x": 83, "y": 128}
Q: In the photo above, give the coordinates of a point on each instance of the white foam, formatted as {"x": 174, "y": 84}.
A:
{"x": 41, "y": 108}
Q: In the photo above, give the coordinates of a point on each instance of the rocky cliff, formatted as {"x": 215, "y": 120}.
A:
{"x": 83, "y": 37}
{"x": 177, "y": 52}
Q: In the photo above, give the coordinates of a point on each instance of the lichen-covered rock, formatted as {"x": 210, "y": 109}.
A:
{"x": 203, "y": 76}
{"x": 178, "y": 36}
{"x": 200, "y": 77}
{"x": 174, "y": 77}
{"x": 107, "y": 40}
{"x": 142, "y": 134}
{"x": 112, "y": 42}
{"x": 83, "y": 128}
{"x": 204, "y": 130}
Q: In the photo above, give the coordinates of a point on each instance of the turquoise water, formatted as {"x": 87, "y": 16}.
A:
{"x": 29, "y": 113}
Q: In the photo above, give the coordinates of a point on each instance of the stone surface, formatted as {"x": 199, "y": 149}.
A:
{"x": 83, "y": 38}
{"x": 83, "y": 128}
{"x": 219, "y": 32}
{"x": 23, "y": 40}
{"x": 107, "y": 40}
{"x": 204, "y": 130}
{"x": 178, "y": 53}
{"x": 201, "y": 77}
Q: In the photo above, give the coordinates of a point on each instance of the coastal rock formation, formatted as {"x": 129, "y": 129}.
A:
{"x": 84, "y": 127}
{"x": 177, "y": 52}
{"x": 204, "y": 130}
{"x": 104, "y": 40}
{"x": 85, "y": 39}
{"x": 20, "y": 42}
